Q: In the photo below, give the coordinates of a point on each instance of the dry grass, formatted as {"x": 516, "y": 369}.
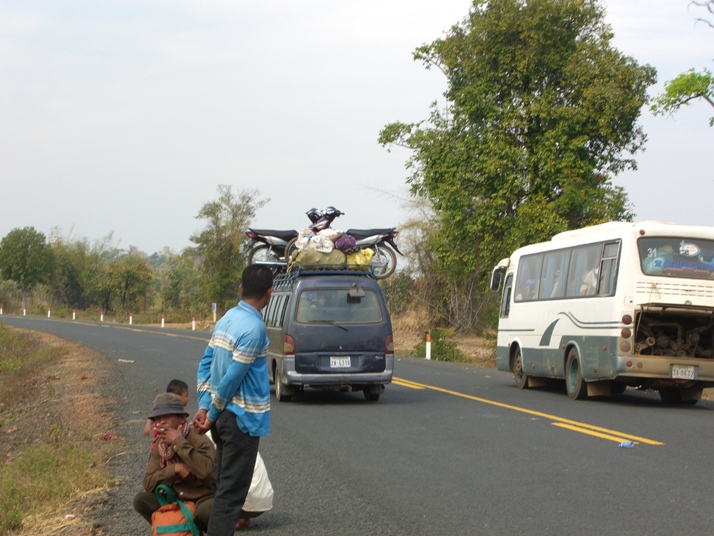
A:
{"x": 51, "y": 447}
{"x": 411, "y": 327}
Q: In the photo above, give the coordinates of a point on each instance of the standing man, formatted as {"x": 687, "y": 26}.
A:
{"x": 234, "y": 396}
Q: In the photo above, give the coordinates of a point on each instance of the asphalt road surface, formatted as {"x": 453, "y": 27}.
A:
{"x": 448, "y": 449}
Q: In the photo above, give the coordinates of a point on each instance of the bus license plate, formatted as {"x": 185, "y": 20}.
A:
{"x": 683, "y": 372}
{"x": 340, "y": 362}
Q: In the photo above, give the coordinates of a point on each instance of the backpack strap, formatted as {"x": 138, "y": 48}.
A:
{"x": 166, "y": 495}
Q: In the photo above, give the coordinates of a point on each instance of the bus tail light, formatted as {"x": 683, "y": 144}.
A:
{"x": 627, "y": 320}
{"x": 288, "y": 345}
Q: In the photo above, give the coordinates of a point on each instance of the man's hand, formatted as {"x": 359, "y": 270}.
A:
{"x": 181, "y": 470}
{"x": 168, "y": 435}
{"x": 200, "y": 421}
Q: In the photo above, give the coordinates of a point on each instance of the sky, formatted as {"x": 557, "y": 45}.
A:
{"x": 123, "y": 117}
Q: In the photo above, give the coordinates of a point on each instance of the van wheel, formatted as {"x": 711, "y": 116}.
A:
{"x": 518, "y": 373}
{"x": 371, "y": 397}
{"x": 280, "y": 394}
{"x": 574, "y": 383}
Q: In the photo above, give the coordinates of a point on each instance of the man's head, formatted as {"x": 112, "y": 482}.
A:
{"x": 180, "y": 388}
{"x": 256, "y": 285}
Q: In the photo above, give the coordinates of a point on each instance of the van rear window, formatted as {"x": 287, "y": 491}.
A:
{"x": 336, "y": 305}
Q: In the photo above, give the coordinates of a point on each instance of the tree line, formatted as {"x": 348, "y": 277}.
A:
{"x": 75, "y": 274}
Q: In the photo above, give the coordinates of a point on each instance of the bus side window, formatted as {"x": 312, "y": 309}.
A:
{"x": 528, "y": 277}
{"x": 608, "y": 269}
{"x": 506, "y": 296}
{"x": 583, "y": 272}
{"x": 555, "y": 265}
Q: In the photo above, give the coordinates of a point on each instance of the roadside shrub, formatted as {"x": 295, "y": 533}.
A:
{"x": 442, "y": 349}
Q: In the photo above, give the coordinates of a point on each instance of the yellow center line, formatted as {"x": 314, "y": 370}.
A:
{"x": 559, "y": 421}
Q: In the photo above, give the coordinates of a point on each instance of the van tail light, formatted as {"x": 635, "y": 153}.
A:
{"x": 288, "y": 345}
{"x": 389, "y": 345}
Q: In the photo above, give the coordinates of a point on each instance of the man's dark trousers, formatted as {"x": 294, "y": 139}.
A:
{"x": 235, "y": 458}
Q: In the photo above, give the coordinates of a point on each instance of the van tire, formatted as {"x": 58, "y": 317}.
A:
{"x": 371, "y": 397}
{"x": 280, "y": 389}
{"x": 574, "y": 383}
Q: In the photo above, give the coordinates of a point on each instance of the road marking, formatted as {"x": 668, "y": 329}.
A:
{"x": 584, "y": 428}
{"x": 406, "y": 383}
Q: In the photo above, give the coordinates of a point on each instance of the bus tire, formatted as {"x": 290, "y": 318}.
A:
{"x": 519, "y": 374}
{"x": 574, "y": 383}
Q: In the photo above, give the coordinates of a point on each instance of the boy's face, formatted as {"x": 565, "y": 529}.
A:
{"x": 184, "y": 397}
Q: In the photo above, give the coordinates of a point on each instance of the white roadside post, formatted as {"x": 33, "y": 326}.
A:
{"x": 162, "y": 321}
{"x": 101, "y": 317}
{"x": 74, "y": 315}
{"x": 130, "y": 319}
{"x": 428, "y": 345}
{"x": 213, "y": 308}
{"x": 48, "y": 313}
{"x": 193, "y": 324}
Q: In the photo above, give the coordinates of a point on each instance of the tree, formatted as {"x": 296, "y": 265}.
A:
{"x": 129, "y": 277}
{"x": 683, "y": 89}
{"x": 542, "y": 113}
{"x": 219, "y": 244}
{"x": 26, "y": 259}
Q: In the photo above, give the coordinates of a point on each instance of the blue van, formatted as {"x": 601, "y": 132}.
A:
{"x": 329, "y": 328}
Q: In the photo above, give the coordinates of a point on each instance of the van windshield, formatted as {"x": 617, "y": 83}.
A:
{"x": 677, "y": 257}
{"x": 338, "y": 307}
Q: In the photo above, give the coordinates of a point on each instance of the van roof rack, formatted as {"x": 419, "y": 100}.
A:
{"x": 327, "y": 269}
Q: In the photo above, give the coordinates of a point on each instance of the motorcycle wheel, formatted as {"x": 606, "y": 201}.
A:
{"x": 290, "y": 249}
{"x": 384, "y": 254}
{"x": 264, "y": 253}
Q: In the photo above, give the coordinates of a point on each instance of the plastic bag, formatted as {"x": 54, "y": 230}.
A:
{"x": 362, "y": 258}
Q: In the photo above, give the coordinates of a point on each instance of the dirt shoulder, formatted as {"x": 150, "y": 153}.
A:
{"x": 64, "y": 401}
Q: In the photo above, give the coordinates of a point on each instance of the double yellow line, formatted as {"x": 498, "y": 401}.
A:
{"x": 583, "y": 428}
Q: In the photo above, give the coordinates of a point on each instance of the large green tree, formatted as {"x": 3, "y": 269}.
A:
{"x": 26, "y": 259}
{"x": 130, "y": 278}
{"x": 541, "y": 113}
{"x": 218, "y": 246}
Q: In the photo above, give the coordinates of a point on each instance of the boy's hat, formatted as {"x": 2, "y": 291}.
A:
{"x": 167, "y": 404}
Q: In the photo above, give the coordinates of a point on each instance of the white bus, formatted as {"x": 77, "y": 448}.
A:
{"x": 610, "y": 306}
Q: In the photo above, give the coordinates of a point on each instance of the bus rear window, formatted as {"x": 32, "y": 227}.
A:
{"x": 692, "y": 258}
{"x": 337, "y": 306}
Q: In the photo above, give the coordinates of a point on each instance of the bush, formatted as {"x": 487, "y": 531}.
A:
{"x": 442, "y": 349}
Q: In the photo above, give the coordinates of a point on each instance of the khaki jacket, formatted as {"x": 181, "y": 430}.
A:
{"x": 198, "y": 453}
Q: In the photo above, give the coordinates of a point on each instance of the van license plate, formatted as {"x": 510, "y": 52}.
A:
{"x": 340, "y": 362}
{"x": 683, "y": 372}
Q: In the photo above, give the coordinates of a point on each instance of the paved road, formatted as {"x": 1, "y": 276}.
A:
{"x": 448, "y": 449}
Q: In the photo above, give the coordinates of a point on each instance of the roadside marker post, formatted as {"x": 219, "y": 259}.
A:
{"x": 162, "y": 321}
{"x": 428, "y": 345}
{"x": 130, "y": 319}
{"x": 24, "y": 312}
{"x": 74, "y": 315}
{"x": 101, "y": 317}
{"x": 48, "y": 313}
{"x": 193, "y": 324}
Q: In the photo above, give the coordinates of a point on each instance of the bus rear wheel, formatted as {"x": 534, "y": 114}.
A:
{"x": 574, "y": 383}
{"x": 518, "y": 373}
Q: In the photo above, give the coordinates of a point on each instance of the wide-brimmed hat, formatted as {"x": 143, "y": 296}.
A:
{"x": 168, "y": 404}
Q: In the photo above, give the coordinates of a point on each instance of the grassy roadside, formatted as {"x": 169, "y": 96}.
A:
{"x": 52, "y": 448}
